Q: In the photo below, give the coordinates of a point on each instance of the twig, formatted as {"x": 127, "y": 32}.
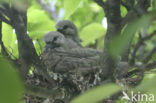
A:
{"x": 49, "y": 8}
{"x": 126, "y": 6}
{"x": 139, "y": 43}
{"x": 100, "y": 3}
{"x": 2, "y": 18}
{"x": 149, "y": 55}
{"x": 150, "y": 66}
{"x": 140, "y": 9}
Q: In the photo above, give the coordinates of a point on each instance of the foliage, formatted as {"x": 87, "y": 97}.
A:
{"x": 10, "y": 85}
{"x": 88, "y": 17}
{"x": 97, "y": 94}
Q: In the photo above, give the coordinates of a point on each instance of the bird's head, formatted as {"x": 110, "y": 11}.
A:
{"x": 67, "y": 28}
{"x": 53, "y": 40}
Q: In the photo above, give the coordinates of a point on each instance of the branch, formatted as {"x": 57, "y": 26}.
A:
{"x": 50, "y": 9}
{"x": 142, "y": 68}
{"x": 140, "y": 9}
{"x": 149, "y": 55}
{"x": 100, "y": 3}
{"x": 113, "y": 14}
{"x": 2, "y": 18}
{"x": 3, "y": 11}
{"x": 150, "y": 66}
{"x": 139, "y": 43}
{"x": 126, "y": 6}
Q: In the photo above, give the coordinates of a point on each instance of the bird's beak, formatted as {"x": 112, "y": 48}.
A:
{"x": 60, "y": 30}
{"x": 48, "y": 46}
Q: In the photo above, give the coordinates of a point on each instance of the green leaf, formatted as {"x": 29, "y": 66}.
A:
{"x": 121, "y": 42}
{"x": 70, "y": 7}
{"x": 148, "y": 86}
{"x": 10, "y": 84}
{"x": 9, "y": 39}
{"x": 39, "y": 23}
{"x": 92, "y": 32}
{"x": 123, "y": 11}
{"x": 97, "y": 94}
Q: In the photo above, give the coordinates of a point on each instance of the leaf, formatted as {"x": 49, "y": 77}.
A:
{"x": 10, "y": 84}
{"x": 148, "y": 86}
{"x": 9, "y": 39}
{"x": 121, "y": 42}
{"x": 39, "y": 23}
{"x": 123, "y": 11}
{"x": 7, "y": 32}
{"x": 92, "y": 32}
{"x": 97, "y": 94}
{"x": 70, "y": 7}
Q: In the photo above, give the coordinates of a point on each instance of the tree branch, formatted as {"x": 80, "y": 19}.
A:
{"x": 137, "y": 46}
{"x": 113, "y": 14}
{"x": 140, "y": 8}
{"x": 149, "y": 55}
{"x": 2, "y": 18}
{"x": 49, "y": 8}
{"x": 126, "y": 6}
{"x": 100, "y": 3}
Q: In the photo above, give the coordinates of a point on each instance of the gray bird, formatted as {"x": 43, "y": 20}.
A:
{"x": 69, "y": 30}
{"x": 55, "y": 40}
{"x": 65, "y": 61}
{"x": 58, "y": 46}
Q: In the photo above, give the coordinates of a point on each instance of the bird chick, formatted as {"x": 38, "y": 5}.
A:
{"x": 69, "y": 30}
{"x": 55, "y": 40}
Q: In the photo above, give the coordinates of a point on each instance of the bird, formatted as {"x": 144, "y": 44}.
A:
{"x": 55, "y": 40}
{"x": 59, "y": 46}
{"x": 66, "y": 62}
{"x": 69, "y": 30}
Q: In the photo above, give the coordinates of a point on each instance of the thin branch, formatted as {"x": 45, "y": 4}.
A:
{"x": 149, "y": 55}
{"x": 138, "y": 45}
{"x": 142, "y": 69}
{"x": 150, "y": 66}
{"x": 140, "y": 9}
{"x": 2, "y": 18}
{"x": 3, "y": 11}
{"x": 100, "y": 3}
{"x": 126, "y": 6}
{"x": 49, "y": 8}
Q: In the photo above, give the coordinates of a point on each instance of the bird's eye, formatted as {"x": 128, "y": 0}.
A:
{"x": 55, "y": 38}
{"x": 65, "y": 27}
